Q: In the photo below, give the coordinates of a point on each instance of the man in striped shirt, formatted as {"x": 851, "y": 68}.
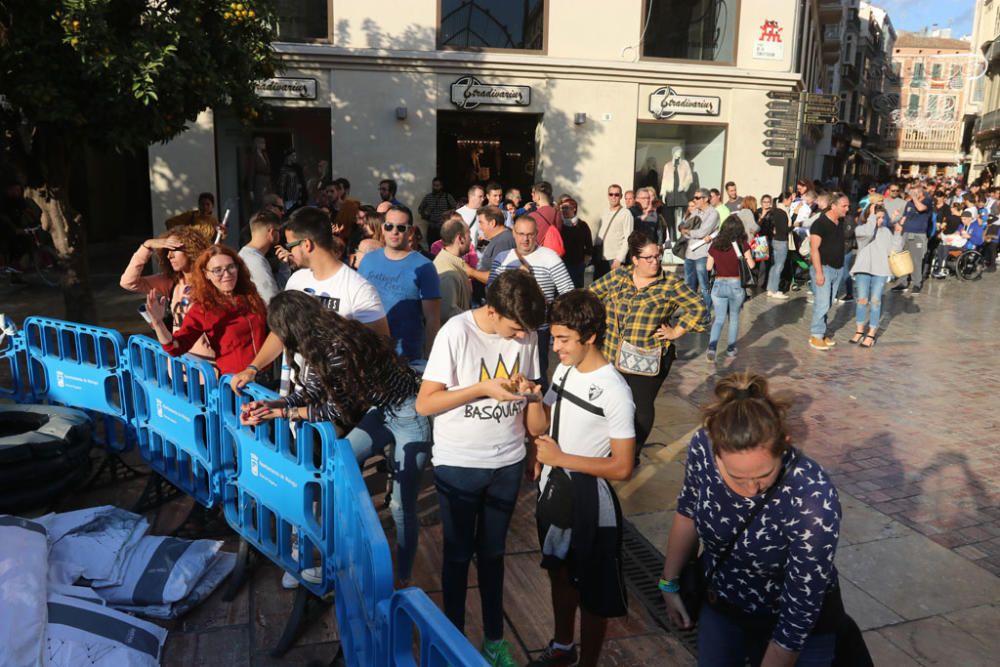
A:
{"x": 545, "y": 265}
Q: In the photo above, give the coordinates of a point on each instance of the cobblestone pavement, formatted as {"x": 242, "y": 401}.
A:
{"x": 907, "y": 430}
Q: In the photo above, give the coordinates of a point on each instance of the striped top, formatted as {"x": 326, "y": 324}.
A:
{"x": 547, "y": 267}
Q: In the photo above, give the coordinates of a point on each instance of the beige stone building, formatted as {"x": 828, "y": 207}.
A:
{"x": 934, "y": 75}
{"x": 582, "y": 93}
{"x": 983, "y": 97}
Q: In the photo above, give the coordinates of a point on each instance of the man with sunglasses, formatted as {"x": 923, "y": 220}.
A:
{"x": 611, "y": 235}
{"x": 696, "y": 257}
{"x": 407, "y": 284}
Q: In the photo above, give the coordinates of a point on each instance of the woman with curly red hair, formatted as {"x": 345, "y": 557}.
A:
{"x": 225, "y": 308}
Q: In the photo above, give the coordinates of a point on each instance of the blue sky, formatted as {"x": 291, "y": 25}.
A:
{"x": 913, "y": 15}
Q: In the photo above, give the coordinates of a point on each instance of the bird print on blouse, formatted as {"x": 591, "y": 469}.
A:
{"x": 782, "y": 564}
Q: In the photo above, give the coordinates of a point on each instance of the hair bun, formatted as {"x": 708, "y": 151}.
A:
{"x": 743, "y": 392}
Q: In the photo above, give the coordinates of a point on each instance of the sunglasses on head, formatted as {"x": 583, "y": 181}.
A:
{"x": 388, "y": 226}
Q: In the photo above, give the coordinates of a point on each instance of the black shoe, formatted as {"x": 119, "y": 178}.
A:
{"x": 917, "y": 289}
{"x": 554, "y": 657}
{"x": 899, "y": 288}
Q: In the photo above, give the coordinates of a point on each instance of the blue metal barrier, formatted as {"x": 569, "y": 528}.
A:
{"x": 276, "y": 486}
{"x": 175, "y": 417}
{"x": 81, "y": 366}
{"x": 362, "y": 562}
{"x": 439, "y": 642}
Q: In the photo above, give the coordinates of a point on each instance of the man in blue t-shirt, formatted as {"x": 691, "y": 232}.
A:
{"x": 916, "y": 228}
{"x": 407, "y": 284}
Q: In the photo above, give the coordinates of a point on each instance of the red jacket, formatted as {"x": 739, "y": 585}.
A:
{"x": 549, "y": 222}
{"x": 235, "y": 335}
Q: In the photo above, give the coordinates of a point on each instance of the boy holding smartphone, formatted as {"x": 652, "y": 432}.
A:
{"x": 589, "y": 415}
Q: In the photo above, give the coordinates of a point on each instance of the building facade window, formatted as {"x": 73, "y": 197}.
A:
{"x": 301, "y": 20}
{"x": 918, "y": 75}
{"x": 492, "y": 24}
{"x": 913, "y": 107}
{"x": 690, "y": 30}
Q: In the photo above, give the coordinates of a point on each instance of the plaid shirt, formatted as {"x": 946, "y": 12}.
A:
{"x": 639, "y": 312}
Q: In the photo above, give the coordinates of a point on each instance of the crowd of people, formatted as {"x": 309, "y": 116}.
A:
{"x": 436, "y": 349}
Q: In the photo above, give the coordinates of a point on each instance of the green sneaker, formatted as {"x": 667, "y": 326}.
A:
{"x": 497, "y": 653}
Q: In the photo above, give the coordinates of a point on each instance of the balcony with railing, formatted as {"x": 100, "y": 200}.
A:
{"x": 930, "y": 140}
{"x": 987, "y": 125}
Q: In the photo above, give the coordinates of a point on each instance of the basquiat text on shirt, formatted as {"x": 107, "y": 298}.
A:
{"x": 495, "y": 412}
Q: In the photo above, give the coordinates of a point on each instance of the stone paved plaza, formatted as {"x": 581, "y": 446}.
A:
{"x": 908, "y": 431}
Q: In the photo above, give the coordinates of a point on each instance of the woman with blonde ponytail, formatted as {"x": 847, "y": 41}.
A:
{"x": 768, "y": 518}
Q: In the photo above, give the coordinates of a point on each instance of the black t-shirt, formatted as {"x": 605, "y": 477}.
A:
{"x": 831, "y": 250}
{"x": 779, "y": 223}
{"x": 950, "y": 220}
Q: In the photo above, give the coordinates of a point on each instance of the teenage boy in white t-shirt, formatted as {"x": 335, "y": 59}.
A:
{"x": 478, "y": 364}
{"x": 589, "y": 414}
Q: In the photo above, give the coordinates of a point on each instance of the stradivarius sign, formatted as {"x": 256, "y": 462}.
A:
{"x": 664, "y": 102}
{"x": 469, "y": 93}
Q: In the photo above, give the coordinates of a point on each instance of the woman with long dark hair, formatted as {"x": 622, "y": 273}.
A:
{"x": 768, "y": 517}
{"x": 727, "y": 292}
{"x": 348, "y": 370}
{"x": 225, "y": 308}
{"x": 640, "y": 300}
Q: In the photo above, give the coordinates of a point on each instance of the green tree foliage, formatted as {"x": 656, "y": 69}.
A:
{"x": 118, "y": 75}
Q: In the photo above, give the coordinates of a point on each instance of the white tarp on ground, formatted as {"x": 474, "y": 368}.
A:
{"x": 24, "y": 559}
{"x": 58, "y": 572}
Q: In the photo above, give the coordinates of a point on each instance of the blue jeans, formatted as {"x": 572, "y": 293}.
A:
{"x": 847, "y": 284}
{"x": 723, "y": 642}
{"x": 779, "y": 254}
{"x": 868, "y": 291}
{"x": 412, "y": 435}
{"x": 476, "y": 506}
{"x": 696, "y": 277}
{"x": 727, "y": 296}
{"x": 824, "y": 298}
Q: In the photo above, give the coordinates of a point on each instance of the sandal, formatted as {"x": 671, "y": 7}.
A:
{"x": 856, "y": 338}
{"x": 866, "y": 339}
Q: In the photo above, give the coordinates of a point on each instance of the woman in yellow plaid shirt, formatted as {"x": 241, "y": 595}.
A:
{"x": 640, "y": 300}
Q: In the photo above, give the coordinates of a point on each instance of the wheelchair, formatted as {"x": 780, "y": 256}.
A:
{"x": 966, "y": 264}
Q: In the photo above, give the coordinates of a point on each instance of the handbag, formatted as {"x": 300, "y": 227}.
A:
{"x": 680, "y": 247}
{"x": 901, "y": 263}
{"x": 555, "y": 502}
{"x": 637, "y": 360}
{"x": 760, "y": 248}
{"x": 746, "y": 275}
{"x": 693, "y": 577}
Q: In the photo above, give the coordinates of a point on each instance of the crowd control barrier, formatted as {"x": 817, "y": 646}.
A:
{"x": 362, "y": 560}
{"x": 175, "y": 420}
{"x": 278, "y": 490}
{"x": 13, "y": 378}
{"x": 81, "y": 366}
{"x": 297, "y": 497}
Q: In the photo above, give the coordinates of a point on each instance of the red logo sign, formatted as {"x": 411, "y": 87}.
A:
{"x": 770, "y": 32}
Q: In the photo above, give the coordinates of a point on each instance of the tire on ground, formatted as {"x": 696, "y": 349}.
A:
{"x": 36, "y": 433}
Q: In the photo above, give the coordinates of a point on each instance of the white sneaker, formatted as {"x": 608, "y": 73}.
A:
{"x": 777, "y": 295}
{"x": 288, "y": 582}
{"x": 312, "y": 575}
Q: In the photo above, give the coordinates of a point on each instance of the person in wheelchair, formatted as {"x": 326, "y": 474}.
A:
{"x": 968, "y": 236}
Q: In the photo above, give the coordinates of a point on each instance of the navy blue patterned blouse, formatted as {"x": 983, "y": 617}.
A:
{"x": 783, "y": 563}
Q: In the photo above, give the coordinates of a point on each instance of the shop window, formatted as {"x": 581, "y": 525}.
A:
{"x": 690, "y": 29}
{"x": 301, "y": 20}
{"x": 676, "y": 159}
{"x": 492, "y": 24}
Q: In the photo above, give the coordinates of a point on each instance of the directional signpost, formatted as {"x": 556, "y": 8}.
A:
{"x": 819, "y": 109}
{"x": 784, "y": 110}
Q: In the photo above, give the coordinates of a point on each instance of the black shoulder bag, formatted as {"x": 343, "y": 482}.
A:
{"x": 555, "y": 501}
{"x": 694, "y": 582}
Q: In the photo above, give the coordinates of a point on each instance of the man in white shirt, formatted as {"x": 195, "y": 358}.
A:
{"x": 611, "y": 235}
{"x": 477, "y": 196}
{"x": 477, "y": 367}
{"x": 264, "y": 235}
{"x": 309, "y": 239}
{"x": 542, "y": 263}
{"x": 589, "y": 416}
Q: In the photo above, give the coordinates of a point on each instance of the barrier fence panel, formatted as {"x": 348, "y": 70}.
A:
{"x": 175, "y": 417}
{"x": 362, "y": 561}
{"x": 439, "y": 642}
{"x": 81, "y": 366}
{"x": 277, "y": 489}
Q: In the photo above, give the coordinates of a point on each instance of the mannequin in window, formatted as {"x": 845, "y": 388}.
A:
{"x": 258, "y": 172}
{"x": 678, "y": 181}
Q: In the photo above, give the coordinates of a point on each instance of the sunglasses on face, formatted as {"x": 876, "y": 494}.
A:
{"x": 399, "y": 228}
{"x": 292, "y": 244}
{"x": 696, "y": 197}
{"x": 614, "y": 194}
